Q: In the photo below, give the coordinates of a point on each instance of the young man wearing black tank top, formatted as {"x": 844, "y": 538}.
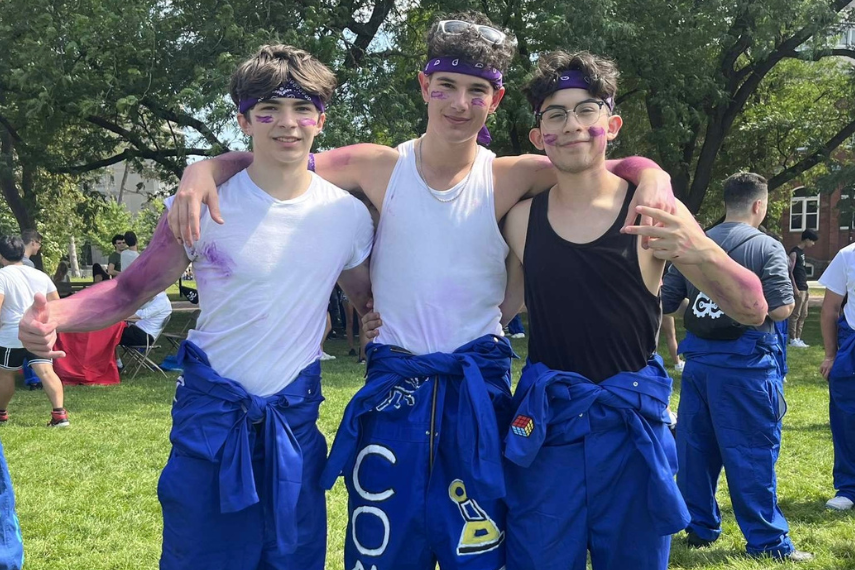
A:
{"x": 591, "y": 461}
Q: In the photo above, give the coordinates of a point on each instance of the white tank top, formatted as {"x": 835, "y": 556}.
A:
{"x": 438, "y": 267}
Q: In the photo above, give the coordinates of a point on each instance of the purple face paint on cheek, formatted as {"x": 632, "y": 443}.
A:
{"x": 307, "y": 122}
{"x": 598, "y": 134}
{"x": 478, "y": 102}
{"x": 550, "y": 140}
{"x": 438, "y": 95}
{"x": 264, "y": 119}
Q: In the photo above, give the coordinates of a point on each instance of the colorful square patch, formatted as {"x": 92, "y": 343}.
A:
{"x": 523, "y": 425}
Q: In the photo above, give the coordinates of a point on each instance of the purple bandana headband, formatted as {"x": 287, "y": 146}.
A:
{"x": 457, "y": 65}
{"x": 288, "y": 90}
{"x": 572, "y": 79}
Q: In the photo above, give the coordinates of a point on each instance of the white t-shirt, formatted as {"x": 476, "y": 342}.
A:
{"x": 18, "y": 285}
{"x": 127, "y": 257}
{"x": 265, "y": 277}
{"x": 839, "y": 278}
{"x": 154, "y": 314}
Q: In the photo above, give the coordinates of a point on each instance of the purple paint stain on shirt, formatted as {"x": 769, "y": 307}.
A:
{"x": 222, "y": 262}
{"x": 307, "y": 122}
{"x": 264, "y": 119}
{"x": 438, "y": 95}
{"x": 478, "y": 102}
{"x": 550, "y": 140}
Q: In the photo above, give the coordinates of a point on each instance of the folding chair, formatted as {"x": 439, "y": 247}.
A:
{"x": 140, "y": 354}
{"x": 176, "y": 338}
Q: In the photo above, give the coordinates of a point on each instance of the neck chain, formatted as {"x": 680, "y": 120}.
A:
{"x": 419, "y": 162}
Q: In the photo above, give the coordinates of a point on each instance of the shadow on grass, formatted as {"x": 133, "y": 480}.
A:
{"x": 684, "y": 557}
{"x": 821, "y": 427}
{"x": 807, "y": 511}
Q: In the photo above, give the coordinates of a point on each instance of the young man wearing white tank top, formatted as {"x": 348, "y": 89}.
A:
{"x": 241, "y": 487}
{"x": 426, "y": 428}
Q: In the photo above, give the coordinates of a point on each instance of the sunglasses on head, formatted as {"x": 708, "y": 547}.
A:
{"x": 486, "y": 33}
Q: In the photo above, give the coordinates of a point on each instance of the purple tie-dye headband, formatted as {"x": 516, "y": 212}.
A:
{"x": 457, "y": 65}
{"x": 572, "y": 79}
{"x": 288, "y": 90}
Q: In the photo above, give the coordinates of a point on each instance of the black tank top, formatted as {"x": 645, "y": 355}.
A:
{"x": 589, "y": 309}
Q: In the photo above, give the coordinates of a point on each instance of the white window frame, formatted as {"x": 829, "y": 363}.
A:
{"x": 803, "y": 216}
{"x": 810, "y": 270}
{"x": 840, "y": 218}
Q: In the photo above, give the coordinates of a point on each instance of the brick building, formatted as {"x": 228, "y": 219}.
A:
{"x": 830, "y": 215}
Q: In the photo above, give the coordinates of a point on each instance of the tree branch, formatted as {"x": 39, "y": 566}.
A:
{"x": 813, "y": 158}
{"x": 131, "y": 153}
{"x": 183, "y": 119}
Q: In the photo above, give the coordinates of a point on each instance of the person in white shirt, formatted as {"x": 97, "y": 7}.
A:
{"x": 18, "y": 284}
{"x": 838, "y": 367}
{"x": 131, "y": 253}
{"x": 152, "y": 320}
{"x": 241, "y": 489}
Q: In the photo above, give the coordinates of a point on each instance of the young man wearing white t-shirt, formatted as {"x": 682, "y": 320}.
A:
{"x": 18, "y": 284}
{"x": 838, "y": 367}
{"x": 241, "y": 488}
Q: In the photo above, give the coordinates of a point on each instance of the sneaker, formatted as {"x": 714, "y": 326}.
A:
{"x": 361, "y": 361}
{"x": 4, "y": 417}
{"x": 797, "y": 556}
{"x": 352, "y": 352}
{"x": 696, "y": 541}
{"x": 325, "y": 356}
{"x": 802, "y": 344}
{"x": 518, "y": 335}
{"x": 58, "y": 419}
{"x": 679, "y": 366}
{"x": 794, "y": 342}
{"x": 838, "y": 503}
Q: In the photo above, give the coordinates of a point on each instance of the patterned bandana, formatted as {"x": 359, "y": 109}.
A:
{"x": 288, "y": 90}
{"x": 571, "y": 79}
{"x": 457, "y": 65}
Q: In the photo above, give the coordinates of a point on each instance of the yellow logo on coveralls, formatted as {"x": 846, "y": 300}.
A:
{"x": 480, "y": 533}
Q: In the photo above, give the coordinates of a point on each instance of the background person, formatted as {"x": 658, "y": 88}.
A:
{"x": 18, "y": 285}
{"x": 798, "y": 276}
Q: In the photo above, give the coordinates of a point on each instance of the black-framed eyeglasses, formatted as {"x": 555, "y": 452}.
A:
{"x": 554, "y": 118}
{"x": 486, "y": 33}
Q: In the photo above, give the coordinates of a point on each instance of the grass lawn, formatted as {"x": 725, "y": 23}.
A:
{"x": 87, "y": 495}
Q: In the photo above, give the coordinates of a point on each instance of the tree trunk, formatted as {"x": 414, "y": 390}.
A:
{"x": 8, "y": 184}
{"x": 73, "y": 266}
{"x": 124, "y": 181}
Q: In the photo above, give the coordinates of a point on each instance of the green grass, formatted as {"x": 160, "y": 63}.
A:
{"x": 87, "y": 495}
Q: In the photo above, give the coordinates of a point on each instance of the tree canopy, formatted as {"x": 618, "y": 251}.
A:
{"x": 707, "y": 88}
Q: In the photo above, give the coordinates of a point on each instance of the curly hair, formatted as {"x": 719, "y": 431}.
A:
{"x": 469, "y": 45}
{"x": 274, "y": 65}
{"x": 602, "y": 75}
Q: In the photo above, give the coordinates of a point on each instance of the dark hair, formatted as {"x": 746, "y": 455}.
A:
{"x": 810, "y": 234}
{"x": 600, "y": 72}
{"x": 61, "y": 271}
{"x": 274, "y": 65}
{"x": 30, "y": 236}
{"x": 469, "y": 45}
{"x": 12, "y": 248}
{"x": 98, "y": 270}
{"x": 117, "y": 237}
{"x": 743, "y": 189}
{"x": 130, "y": 239}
